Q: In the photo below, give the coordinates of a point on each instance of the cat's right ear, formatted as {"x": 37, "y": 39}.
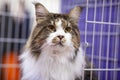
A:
{"x": 40, "y": 11}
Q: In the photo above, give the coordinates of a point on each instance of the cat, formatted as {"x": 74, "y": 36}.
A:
{"x": 53, "y": 50}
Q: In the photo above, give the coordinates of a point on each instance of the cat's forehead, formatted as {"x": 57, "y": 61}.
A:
{"x": 59, "y": 19}
{"x": 56, "y": 16}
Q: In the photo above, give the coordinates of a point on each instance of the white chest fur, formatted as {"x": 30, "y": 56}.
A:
{"x": 52, "y": 67}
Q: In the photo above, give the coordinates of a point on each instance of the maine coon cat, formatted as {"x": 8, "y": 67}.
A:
{"x": 53, "y": 50}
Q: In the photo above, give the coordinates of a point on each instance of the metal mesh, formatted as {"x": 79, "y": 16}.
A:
{"x": 13, "y": 34}
{"x": 100, "y": 33}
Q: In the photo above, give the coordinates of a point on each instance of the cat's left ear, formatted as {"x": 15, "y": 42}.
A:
{"x": 74, "y": 14}
{"x": 40, "y": 11}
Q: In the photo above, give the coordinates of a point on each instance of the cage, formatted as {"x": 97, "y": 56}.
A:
{"x": 100, "y": 34}
{"x": 99, "y": 26}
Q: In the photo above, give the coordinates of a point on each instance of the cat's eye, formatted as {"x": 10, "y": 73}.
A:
{"x": 51, "y": 28}
{"x": 68, "y": 29}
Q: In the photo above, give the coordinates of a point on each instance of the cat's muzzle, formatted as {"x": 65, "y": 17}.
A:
{"x": 59, "y": 40}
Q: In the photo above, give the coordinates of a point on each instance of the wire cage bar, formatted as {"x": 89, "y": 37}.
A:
{"x": 99, "y": 26}
{"x": 14, "y": 32}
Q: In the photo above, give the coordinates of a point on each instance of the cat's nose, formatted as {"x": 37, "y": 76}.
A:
{"x": 60, "y": 37}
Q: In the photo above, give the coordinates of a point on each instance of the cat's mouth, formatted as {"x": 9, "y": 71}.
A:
{"x": 59, "y": 44}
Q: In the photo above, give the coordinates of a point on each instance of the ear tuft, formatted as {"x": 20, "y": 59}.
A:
{"x": 40, "y": 11}
{"x": 75, "y": 13}
{"x": 40, "y": 8}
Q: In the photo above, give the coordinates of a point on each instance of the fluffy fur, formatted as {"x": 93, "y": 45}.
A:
{"x": 52, "y": 67}
{"x": 53, "y": 50}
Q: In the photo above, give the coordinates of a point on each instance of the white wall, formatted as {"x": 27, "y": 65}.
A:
{"x": 17, "y": 7}
{"x": 52, "y": 5}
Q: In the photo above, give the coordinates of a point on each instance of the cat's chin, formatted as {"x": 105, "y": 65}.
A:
{"x": 58, "y": 47}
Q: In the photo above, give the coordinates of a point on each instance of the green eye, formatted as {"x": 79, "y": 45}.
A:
{"x": 51, "y": 28}
{"x": 68, "y": 29}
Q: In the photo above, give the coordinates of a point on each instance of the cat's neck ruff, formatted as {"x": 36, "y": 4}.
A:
{"x": 49, "y": 66}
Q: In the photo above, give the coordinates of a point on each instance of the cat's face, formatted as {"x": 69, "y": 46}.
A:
{"x": 57, "y": 31}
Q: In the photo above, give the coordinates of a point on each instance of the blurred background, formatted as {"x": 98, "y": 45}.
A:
{"x": 99, "y": 26}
